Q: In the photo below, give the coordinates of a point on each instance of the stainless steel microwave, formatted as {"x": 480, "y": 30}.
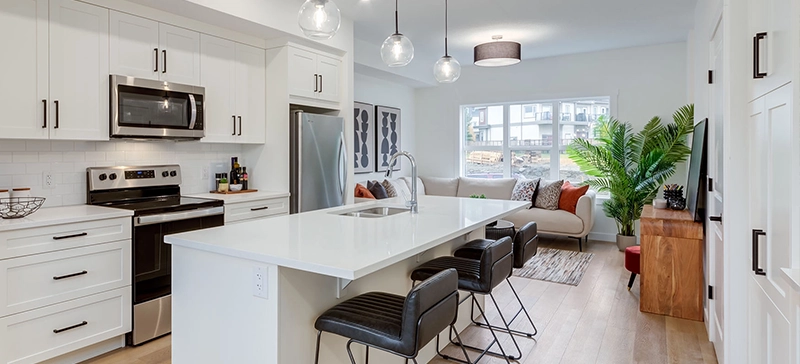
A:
{"x": 143, "y": 108}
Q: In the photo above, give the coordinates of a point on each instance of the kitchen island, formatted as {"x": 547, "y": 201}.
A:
{"x": 249, "y": 293}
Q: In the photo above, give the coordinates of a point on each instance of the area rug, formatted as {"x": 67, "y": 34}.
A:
{"x": 555, "y": 265}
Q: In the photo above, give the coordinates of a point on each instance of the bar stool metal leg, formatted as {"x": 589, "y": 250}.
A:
{"x": 521, "y": 310}
{"x": 496, "y": 340}
{"x": 316, "y": 357}
{"x": 460, "y": 344}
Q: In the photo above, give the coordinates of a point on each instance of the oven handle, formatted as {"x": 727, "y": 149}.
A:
{"x": 176, "y": 216}
{"x": 193, "y": 119}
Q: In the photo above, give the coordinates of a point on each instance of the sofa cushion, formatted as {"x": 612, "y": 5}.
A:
{"x": 438, "y": 186}
{"x": 363, "y": 192}
{"x": 570, "y": 195}
{"x": 525, "y": 189}
{"x": 396, "y": 188}
{"x": 377, "y": 190}
{"x": 548, "y": 195}
{"x": 420, "y": 185}
{"x": 498, "y": 189}
{"x": 555, "y": 221}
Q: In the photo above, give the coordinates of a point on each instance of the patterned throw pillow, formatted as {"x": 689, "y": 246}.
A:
{"x": 548, "y": 195}
{"x": 524, "y": 190}
{"x": 377, "y": 190}
{"x": 396, "y": 187}
{"x": 390, "y": 190}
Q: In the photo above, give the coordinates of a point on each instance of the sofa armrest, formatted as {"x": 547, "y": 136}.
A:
{"x": 585, "y": 211}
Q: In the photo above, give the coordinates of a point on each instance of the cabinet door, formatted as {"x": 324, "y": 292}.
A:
{"x": 251, "y": 94}
{"x": 303, "y": 80}
{"x": 775, "y": 52}
{"x": 328, "y": 69}
{"x": 134, "y": 46}
{"x": 23, "y": 91}
{"x": 180, "y": 55}
{"x": 78, "y": 71}
{"x": 218, "y": 76}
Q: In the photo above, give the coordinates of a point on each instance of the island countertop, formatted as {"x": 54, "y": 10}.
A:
{"x": 346, "y": 247}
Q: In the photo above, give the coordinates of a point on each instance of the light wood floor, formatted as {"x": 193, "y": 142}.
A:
{"x": 596, "y": 322}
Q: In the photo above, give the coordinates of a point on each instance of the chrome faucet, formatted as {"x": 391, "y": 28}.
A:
{"x": 413, "y": 203}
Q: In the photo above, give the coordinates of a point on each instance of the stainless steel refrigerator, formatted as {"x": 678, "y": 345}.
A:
{"x": 318, "y": 162}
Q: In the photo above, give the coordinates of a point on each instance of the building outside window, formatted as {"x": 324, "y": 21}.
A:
{"x": 525, "y": 139}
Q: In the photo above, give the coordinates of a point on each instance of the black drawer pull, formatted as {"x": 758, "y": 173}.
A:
{"x": 69, "y": 236}
{"x": 57, "y": 331}
{"x": 757, "y": 55}
{"x": 70, "y": 275}
{"x": 259, "y": 208}
{"x": 756, "y": 268}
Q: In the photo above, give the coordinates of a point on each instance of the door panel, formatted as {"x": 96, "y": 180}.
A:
{"x": 78, "y": 71}
{"x": 328, "y": 68}
{"x": 24, "y": 86}
{"x": 770, "y": 331}
{"x": 134, "y": 46}
{"x": 251, "y": 93}
{"x": 302, "y": 68}
{"x": 218, "y": 77}
{"x": 181, "y": 63}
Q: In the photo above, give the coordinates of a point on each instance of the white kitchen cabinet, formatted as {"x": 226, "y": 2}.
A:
{"x": 148, "y": 49}
{"x": 314, "y": 75}
{"x": 234, "y": 76}
{"x": 256, "y": 209}
{"x": 773, "y": 50}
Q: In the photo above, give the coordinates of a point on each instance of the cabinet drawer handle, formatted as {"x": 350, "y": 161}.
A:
{"x": 57, "y": 114}
{"x": 259, "y": 208}
{"x": 320, "y": 83}
{"x": 57, "y": 278}
{"x": 69, "y": 236}
{"x": 757, "y": 55}
{"x": 155, "y": 50}
{"x": 234, "y": 124}
{"x": 165, "y": 61}
{"x": 316, "y": 82}
{"x": 44, "y": 118}
{"x": 240, "y": 125}
{"x": 57, "y": 331}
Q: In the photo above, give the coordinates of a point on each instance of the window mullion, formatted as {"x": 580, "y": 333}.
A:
{"x": 506, "y": 140}
{"x": 555, "y": 153}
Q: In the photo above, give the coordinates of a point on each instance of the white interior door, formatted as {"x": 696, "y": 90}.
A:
{"x": 23, "y": 91}
{"x": 134, "y": 46}
{"x": 218, "y": 78}
{"x": 251, "y": 93}
{"x": 771, "y": 165}
{"x": 180, "y": 55}
{"x": 78, "y": 71}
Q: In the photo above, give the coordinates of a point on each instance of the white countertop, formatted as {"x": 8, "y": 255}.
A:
{"x": 241, "y": 197}
{"x": 63, "y": 215}
{"x": 793, "y": 277}
{"x": 347, "y": 247}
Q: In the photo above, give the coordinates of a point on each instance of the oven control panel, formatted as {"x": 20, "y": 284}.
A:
{"x": 109, "y": 178}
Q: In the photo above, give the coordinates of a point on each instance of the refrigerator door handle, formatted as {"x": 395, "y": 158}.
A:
{"x": 343, "y": 167}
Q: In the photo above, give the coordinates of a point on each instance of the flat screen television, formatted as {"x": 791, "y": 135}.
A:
{"x": 696, "y": 185}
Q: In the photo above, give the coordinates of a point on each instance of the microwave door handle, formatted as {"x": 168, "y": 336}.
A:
{"x": 193, "y": 118}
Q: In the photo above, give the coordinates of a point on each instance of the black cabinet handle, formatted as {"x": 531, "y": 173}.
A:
{"x": 57, "y": 278}
{"x": 155, "y": 50}
{"x": 44, "y": 118}
{"x": 164, "y": 52}
{"x": 316, "y": 82}
{"x": 320, "y": 83}
{"x": 715, "y": 218}
{"x": 234, "y": 125}
{"x": 756, "y": 269}
{"x": 57, "y": 114}
{"x": 240, "y": 125}
{"x": 69, "y": 236}
{"x": 84, "y": 323}
{"x": 259, "y": 208}
{"x": 757, "y": 55}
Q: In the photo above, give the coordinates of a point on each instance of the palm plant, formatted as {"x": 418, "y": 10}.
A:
{"x": 633, "y": 166}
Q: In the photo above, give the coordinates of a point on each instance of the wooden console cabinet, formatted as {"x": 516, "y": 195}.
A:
{"x": 671, "y": 264}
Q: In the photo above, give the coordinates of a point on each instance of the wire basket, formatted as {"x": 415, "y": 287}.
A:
{"x": 19, "y": 207}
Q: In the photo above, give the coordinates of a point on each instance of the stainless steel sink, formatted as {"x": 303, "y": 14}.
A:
{"x": 375, "y": 212}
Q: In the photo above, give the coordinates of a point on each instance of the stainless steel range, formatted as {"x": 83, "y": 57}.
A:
{"x": 154, "y": 195}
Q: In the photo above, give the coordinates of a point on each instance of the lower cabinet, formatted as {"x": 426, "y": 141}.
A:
{"x": 257, "y": 209}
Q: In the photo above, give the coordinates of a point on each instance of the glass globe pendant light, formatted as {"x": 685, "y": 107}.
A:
{"x": 397, "y": 50}
{"x": 447, "y": 69}
{"x": 319, "y": 19}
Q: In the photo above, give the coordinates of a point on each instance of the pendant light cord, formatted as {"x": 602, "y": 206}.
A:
{"x": 445, "y": 29}
{"x": 396, "y": 26}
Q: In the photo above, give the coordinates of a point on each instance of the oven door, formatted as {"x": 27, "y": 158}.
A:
{"x": 152, "y": 109}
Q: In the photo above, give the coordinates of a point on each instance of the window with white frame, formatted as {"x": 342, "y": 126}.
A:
{"x": 527, "y": 139}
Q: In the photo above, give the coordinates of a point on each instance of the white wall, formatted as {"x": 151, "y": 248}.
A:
{"x": 377, "y": 91}
{"x": 643, "y": 82}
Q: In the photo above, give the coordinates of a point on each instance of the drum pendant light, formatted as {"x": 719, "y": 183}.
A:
{"x": 447, "y": 69}
{"x": 397, "y": 50}
{"x": 497, "y": 53}
{"x": 319, "y": 19}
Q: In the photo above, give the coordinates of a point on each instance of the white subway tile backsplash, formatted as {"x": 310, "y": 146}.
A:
{"x": 115, "y": 156}
{"x": 26, "y": 157}
{"x": 31, "y": 168}
{"x": 62, "y": 145}
{"x": 62, "y": 167}
{"x": 26, "y": 180}
{"x": 12, "y": 168}
{"x": 74, "y": 156}
{"x": 37, "y": 145}
{"x": 82, "y": 146}
{"x": 106, "y": 146}
{"x": 12, "y": 146}
{"x": 6, "y": 157}
{"x": 95, "y": 156}
{"x": 51, "y": 157}
{"x": 5, "y": 182}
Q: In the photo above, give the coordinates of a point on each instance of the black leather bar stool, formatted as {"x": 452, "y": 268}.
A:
{"x": 476, "y": 277}
{"x": 526, "y": 244}
{"x": 395, "y": 324}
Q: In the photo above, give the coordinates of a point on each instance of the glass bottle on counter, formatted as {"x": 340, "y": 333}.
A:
{"x": 234, "y": 178}
{"x": 244, "y": 178}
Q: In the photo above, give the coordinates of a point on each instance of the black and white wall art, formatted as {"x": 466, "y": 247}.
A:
{"x": 387, "y": 137}
{"x": 364, "y": 126}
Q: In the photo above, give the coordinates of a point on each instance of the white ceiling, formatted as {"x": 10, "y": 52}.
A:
{"x": 544, "y": 27}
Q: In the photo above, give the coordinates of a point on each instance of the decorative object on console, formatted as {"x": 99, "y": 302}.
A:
{"x": 19, "y": 207}
{"x": 364, "y": 128}
{"x": 631, "y": 166}
{"x": 397, "y": 50}
{"x": 447, "y": 69}
{"x": 674, "y": 196}
{"x": 387, "y": 138}
{"x": 319, "y": 19}
{"x": 568, "y": 201}
{"x": 548, "y": 195}
{"x": 497, "y": 53}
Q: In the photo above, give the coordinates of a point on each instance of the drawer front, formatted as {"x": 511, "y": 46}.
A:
{"x": 34, "y": 281}
{"x": 38, "y": 335}
{"x": 16, "y": 243}
{"x": 256, "y": 209}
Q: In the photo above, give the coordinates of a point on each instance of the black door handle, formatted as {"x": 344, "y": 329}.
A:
{"x": 155, "y": 50}
{"x": 240, "y": 125}
{"x": 44, "y": 124}
{"x": 715, "y": 218}
{"x": 165, "y": 61}
{"x": 316, "y": 82}
{"x": 234, "y": 125}
{"x": 756, "y": 269}
{"x": 757, "y": 55}
{"x": 69, "y": 236}
{"x": 259, "y": 208}
{"x": 58, "y": 278}
{"x": 320, "y": 83}
{"x": 57, "y": 114}
{"x": 84, "y": 323}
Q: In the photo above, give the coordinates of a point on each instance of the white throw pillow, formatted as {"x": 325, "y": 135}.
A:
{"x": 436, "y": 186}
{"x": 420, "y": 185}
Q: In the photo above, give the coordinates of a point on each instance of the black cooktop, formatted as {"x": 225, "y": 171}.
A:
{"x": 163, "y": 204}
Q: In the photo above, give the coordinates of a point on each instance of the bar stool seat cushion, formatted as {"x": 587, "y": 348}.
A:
{"x": 374, "y": 318}
{"x": 632, "y": 257}
{"x": 526, "y": 244}
{"x": 469, "y": 272}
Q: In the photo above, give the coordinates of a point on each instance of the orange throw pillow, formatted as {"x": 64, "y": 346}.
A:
{"x": 570, "y": 196}
{"x": 363, "y": 192}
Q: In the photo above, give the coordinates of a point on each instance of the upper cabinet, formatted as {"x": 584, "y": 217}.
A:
{"x": 314, "y": 75}
{"x": 145, "y": 48}
{"x": 56, "y": 84}
{"x": 234, "y": 76}
{"x": 771, "y": 45}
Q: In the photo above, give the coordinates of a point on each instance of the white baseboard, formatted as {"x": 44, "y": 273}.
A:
{"x": 603, "y": 237}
